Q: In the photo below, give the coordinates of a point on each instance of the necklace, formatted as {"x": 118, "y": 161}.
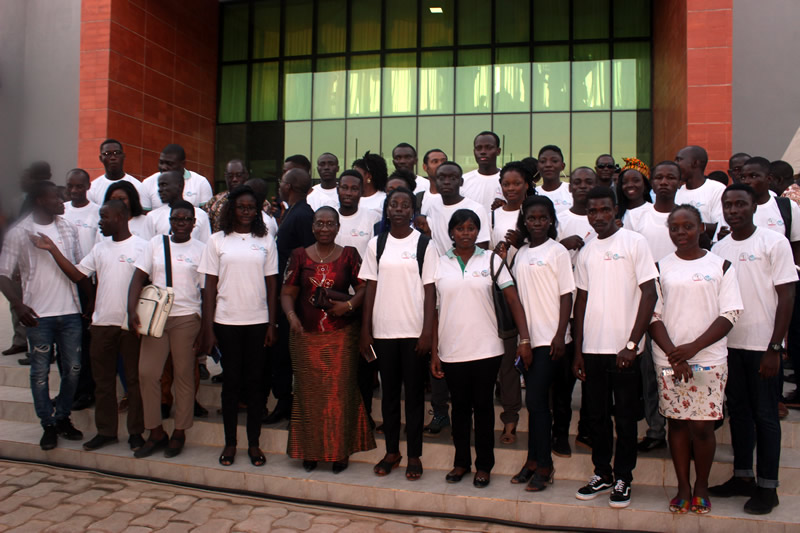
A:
{"x": 323, "y": 259}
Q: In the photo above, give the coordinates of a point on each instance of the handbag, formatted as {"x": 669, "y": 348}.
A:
{"x": 155, "y": 302}
{"x": 506, "y": 328}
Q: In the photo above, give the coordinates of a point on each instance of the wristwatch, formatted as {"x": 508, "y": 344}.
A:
{"x": 776, "y": 347}
{"x": 631, "y": 346}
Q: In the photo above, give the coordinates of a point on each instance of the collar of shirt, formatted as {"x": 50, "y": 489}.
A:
{"x": 451, "y": 253}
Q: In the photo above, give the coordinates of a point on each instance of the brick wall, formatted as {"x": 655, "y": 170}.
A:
{"x": 148, "y": 77}
{"x": 669, "y": 78}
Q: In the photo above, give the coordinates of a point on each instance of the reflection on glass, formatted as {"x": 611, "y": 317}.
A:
{"x": 327, "y": 136}
{"x": 623, "y": 135}
{"x": 331, "y": 27}
{"x": 474, "y": 22}
{"x": 551, "y": 128}
{"x": 551, "y": 20}
{"x": 233, "y": 94}
{"x": 296, "y": 138}
{"x": 631, "y": 82}
{"x": 591, "y": 80}
{"x": 400, "y": 85}
{"x": 512, "y": 21}
{"x": 297, "y": 90}
{"x": 590, "y": 19}
{"x": 395, "y": 131}
{"x": 365, "y": 25}
{"x": 434, "y": 132}
{"x": 234, "y": 31}
{"x": 401, "y": 23}
{"x": 591, "y": 134}
{"x": 297, "y": 30}
{"x": 364, "y": 96}
{"x": 264, "y": 92}
{"x": 631, "y": 18}
{"x": 551, "y": 70}
{"x": 329, "y": 87}
{"x": 267, "y": 29}
{"x": 467, "y": 127}
{"x": 437, "y": 28}
{"x": 436, "y": 81}
{"x": 473, "y": 81}
{"x": 515, "y": 136}
{"x": 362, "y": 134}
{"x": 512, "y": 87}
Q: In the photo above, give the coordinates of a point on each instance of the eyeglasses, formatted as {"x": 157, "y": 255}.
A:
{"x": 605, "y": 165}
{"x": 116, "y": 153}
{"x": 181, "y": 220}
{"x": 319, "y": 224}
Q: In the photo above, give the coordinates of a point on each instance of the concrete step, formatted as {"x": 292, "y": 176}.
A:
{"x": 552, "y": 509}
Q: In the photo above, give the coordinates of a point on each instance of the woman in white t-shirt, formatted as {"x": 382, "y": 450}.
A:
{"x": 373, "y": 169}
{"x": 240, "y": 311}
{"x": 467, "y": 349}
{"x": 516, "y": 182}
{"x": 181, "y": 335}
{"x": 399, "y": 307}
{"x": 127, "y": 193}
{"x": 698, "y": 305}
{"x": 633, "y": 190}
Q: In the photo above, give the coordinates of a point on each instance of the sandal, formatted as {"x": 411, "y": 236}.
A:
{"x": 455, "y": 475}
{"x": 227, "y": 460}
{"x": 540, "y": 481}
{"x": 413, "y": 470}
{"x": 701, "y": 505}
{"x": 174, "y": 446}
{"x": 679, "y": 505}
{"x": 481, "y": 479}
{"x": 385, "y": 467}
{"x": 509, "y": 437}
{"x": 523, "y": 476}
{"x": 257, "y": 459}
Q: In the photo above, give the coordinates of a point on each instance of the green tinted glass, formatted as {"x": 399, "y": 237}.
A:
{"x": 434, "y": 132}
{"x": 590, "y": 19}
{"x": 362, "y": 134}
{"x": 591, "y": 77}
{"x": 327, "y": 136}
{"x": 436, "y": 82}
{"x": 467, "y": 127}
{"x": 365, "y": 25}
{"x": 297, "y": 79}
{"x": 233, "y": 94}
{"x": 267, "y": 29}
{"x": 474, "y": 22}
{"x": 514, "y": 131}
{"x": 512, "y": 80}
{"x": 631, "y": 18}
{"x": 297, "y": 28}
{"x": 473, "y": 81}
{"x": 296, "y": 138}
{"x": 401, "y": 23}
{"x": 395, "y": 131}
{"x": 331, "y": 27}
{"x": 400, "y": 85}
{"x": 234, "y": 32}
{"x": 551, "y": 128}
{"x": 631, "y": 82}
{"x": 512, "y": 21}
{"x": 264, "y": 92}
{"x": 329, "y": 88}
{"x": 437, "y": 28}
{"x": 364, "y": 86}
{"x": 550, "y": 20}
{"x": 591, "y": 136}
{"x": 623, "y": 135}
{"x": 551, "y": 74}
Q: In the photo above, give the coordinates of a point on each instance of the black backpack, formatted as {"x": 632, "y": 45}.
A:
{"x": 422, "y": 245}
{"x": 785, "y": 207}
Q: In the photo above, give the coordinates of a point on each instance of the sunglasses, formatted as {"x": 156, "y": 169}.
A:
{"x": 605, "y": 165}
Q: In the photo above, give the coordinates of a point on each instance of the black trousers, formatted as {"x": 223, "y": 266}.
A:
{"x": 366, "y": 382}
{"x": 471, "y": 387}
{"x": 245, "y": 364}
{"x": 280, "y": 366}
{"x": 563, "y": 386}
{"x": 85, "y": 380}
{"x": 612, "y": 390}
{"x": 401, "y": 367}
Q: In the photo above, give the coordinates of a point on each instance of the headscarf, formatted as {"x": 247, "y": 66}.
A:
{"x": 636, "y": 164}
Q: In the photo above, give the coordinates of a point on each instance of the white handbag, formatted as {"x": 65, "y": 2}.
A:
{"x": 155, "y": 302}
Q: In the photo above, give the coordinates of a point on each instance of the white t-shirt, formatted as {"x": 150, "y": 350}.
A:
{"x": 114, "y": 262}
{"x": 632, "y": 216}
{"x": 611, "y": 270}
{"x": 374, "y": 202}
{"x": 196, "y": 190}
{"x": 97, "y": 191}
{"x": 467, "y": 320}
{"x": 158, "y": 223}
{"x": 319, "y": 197}
{"x": 481, "y": 188}
{"x": 85, "y": 219}
{"x": 269, "y": 222}
{"x": 561, "y": 197}
{"x": 439, "y": 216}
{"x": 400, "y": 295}
{"x": 769, "y": 216}
{"x": 652, "y": 225}
{"x": 357, "y": 229}
{"x": 762, "y": 261}
{"x": 570, "y": 224}
{"x": 186, "y": 281}
{"x": 707, "y": 198}
{"x": 502, "y": 222}
{"x": 138, "y": 226}
{"x": 543, "y": 275}
{"x": 423, "y": 184}
{"x": 241, "y": 262}
{"x": 693, "y": 295}
{"x": 427, "y": 198}
{"x": 49, "y": 291}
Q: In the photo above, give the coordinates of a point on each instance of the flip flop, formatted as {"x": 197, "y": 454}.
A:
{"x": 509, "y": 437}
{"x": 679, "y": 505}
{"x": 701, "y": 505}
{"x": 413, "y": 471}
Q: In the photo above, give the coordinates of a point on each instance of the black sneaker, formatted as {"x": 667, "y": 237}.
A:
{"x": 438, "y": 423}
{"x": 584, "y": 440}
{"x": 596, "y": 486}
{"x": 50, "y": 438}
{"x": 620, "y": 495}
{"x": 204, "y": 375}
{"x": 763, "y": 501}
{"x": 200, "y": 411}
{"x": 135, "y": 442}
{"x": 65, "y": 429}
{"x": 648, "y": 444}
{"x": 97, "y": 442}
{"x": 735, "y": 486}
{"x": 561, "y": 447}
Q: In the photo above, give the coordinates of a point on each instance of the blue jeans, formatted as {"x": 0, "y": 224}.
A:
{"x": 538, "y": 379}
{"x": 753, "y": 411}
{"x": 66, "y": 332}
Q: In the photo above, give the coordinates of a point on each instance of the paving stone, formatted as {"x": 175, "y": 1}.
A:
{"x": 99, "y": 510}
{"x": 19, "y": 516}
{"x": 275, "y": 512}
{"x": 139, "y": 507}
{"x": 176, "y": 527}
{"x": 395, "y": 527}
{"x": 160, "y": 494}
{"x": 76, "y": 524}
{"x": 336, "y": 520}
{"x": 114, "y": 523}
{"x": 195, "y": 515}
{"x": 28, "y": 480}
{"x": 295, "y": 520}
{"x": 7, "y": 490}
{"x": 38, "y": 490}
{"x": 284, "y": 530}
{"x": 16, "y": 471}
{"x": 138, "y": 529}
{"x": 155, "y": 519}
{"x": 113, "y": 487}
{"x": 31, "y": 526}
{"x": 213, "y": 503}
{"x": 360, "y": 526}
{"x": 61, "y": 512}
{"x": 125, "y": 495}
{"x": 256, "y": 524}
{"x": 51, "y": 500}
{"x": 236, "y": 513}
{"x": 11, "y": 503}
{"x": 215, "y": 525}
{"x": 179, "y": 503}
{"x": 77, "y": 486}
{"x": 324, "y": 528}
{"x": 87, "y": 497}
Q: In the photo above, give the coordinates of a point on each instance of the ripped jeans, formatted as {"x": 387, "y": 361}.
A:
{"x": 65, "y": 331}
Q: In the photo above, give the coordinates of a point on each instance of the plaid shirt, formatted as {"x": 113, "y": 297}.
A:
{"x": 792, "y": 193}
{"x": 17, "y": 249}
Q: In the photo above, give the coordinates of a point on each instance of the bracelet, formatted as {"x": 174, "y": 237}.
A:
{"x": 349, "y": 306}
{"x": 290, "y": 313}
{"x": 524, "y": 341}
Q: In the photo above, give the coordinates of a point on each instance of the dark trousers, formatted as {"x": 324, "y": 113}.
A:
{"x": 401, "y": 367}
{"x": 793, "y": 340}
{"x": 85, "y": 380}
{"x": 753, "y": 411}
{"x": 563, "y": 385}
{"x": 280, "y": 366}
{"x": 107, "y": 342}
{"x": 440, "y": 396}
{"x": 471, "y": 387}
{"x": 612, "y": 390}
{"x": 245, "y": 364}
{"x": 537, "y": 399}
{"x": 508, "y": 380}
{"x": 366, "y": 382}
{"x": 656, "y": 423}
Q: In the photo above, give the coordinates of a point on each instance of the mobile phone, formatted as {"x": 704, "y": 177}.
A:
{"x": 215, "y": 354}
{"x": 519, "y": 364}
{"x": 371, "y": 356}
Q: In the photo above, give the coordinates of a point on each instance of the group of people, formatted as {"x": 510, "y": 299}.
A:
{"x": 663, "y": 292}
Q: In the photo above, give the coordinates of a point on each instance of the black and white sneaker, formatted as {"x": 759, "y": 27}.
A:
{"x": 620, "y": 495}
{"x": 596, "y": 485}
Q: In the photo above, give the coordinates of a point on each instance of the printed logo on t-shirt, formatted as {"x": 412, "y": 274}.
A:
{"x": 773, "y": 222}
{"x": 82, "y": 224}
{"x": 482, "y": 273}
{"x": 611, "y": 256}
{"x": 697, "y": 203}
{"x": 702, "y": 277}
{"x": 408, "y": 255}
{"x": 358, "y": 233}
{"x": 744, "y": 256}
{"x": 189, "y": 193}
{"x": 562, "y": 202}
{"x": 256, "y": 247}
{"x": 125, "y": 259}
{"x": 184, "y": 259}
{"x": 536, "y": 261}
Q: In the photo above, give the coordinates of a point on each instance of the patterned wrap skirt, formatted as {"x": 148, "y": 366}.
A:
{"x": 698, "y": 399}
{"x": 329, "y": 422}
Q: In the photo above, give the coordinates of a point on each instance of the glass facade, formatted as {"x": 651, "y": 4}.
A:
{"x": 347, "y": 76}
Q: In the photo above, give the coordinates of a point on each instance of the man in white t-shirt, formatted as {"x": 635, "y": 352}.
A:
{"x": 48, "y": 306}
{"x": 735, "y": 164}
{"x": 774, "y": 213}
{"x": 616, "y": 279}
{"x": 404, "y": 157}
{"x": 439, "y": 211}
{"x": 170, "y": 190}
{"x": 483, "y": 184}
{"x": 113, "y": 158}
{"x": 324, "y": 193}
{"x": 574, "y": 230}
{"x": 196, "y": 188}
{"x": 697, "y": 191}
{"x": 356, "y": 226}
{"x": 551, "y": 167}
{"x": 767, "y": 278}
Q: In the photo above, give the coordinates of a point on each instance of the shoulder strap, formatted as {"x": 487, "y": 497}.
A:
{"x": 167, "y": 261}
{"x": 419, "y": 196}
{"x": 381, "y": 246}
{"x": 725, "y": 266}
{"x": 493, "y": 210}
{"x": 422, "y": 245}
{"x": 785, "y": 207}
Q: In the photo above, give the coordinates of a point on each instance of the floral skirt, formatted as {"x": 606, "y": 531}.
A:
{"x": 698, "y": 399}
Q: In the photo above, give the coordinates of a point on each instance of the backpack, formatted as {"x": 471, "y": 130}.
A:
{"x": 785, "y": 207}
{"x": 422, "y": 245}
